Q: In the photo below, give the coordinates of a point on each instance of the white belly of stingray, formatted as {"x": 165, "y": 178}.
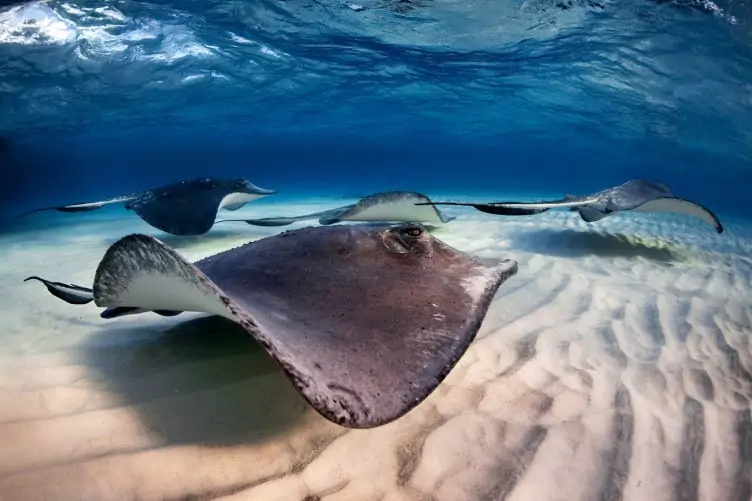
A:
{"x": 141, "y": 272}
{"x": 400, "y": 211}
{"x": 677, "y": 206}
{"x": 235, "y": 201}
{"x": 168, "y": 291}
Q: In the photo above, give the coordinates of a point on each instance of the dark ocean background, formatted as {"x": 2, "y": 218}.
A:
{"x": 100, "y": 98}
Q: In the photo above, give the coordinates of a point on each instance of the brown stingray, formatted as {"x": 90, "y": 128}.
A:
{"x": 365, "y": 321}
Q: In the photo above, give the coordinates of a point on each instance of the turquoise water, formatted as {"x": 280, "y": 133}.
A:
{"x": 100, "y": 98}
{"x": 614, "y": 365}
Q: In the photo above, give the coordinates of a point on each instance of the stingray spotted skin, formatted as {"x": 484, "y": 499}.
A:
{"x": 383, "y": 207}
{"x": 184, "y": 208}
{"x": 365, "y": 321}
{"x": 635, "y": 195}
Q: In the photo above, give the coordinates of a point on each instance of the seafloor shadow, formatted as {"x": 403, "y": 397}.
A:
{"x": 213, "y": 236}
{"x": 578, "y": 243}
{"x": 201, "y": 381}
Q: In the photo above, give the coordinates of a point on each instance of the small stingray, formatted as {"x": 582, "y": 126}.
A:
{"x": 635, "y": 195}
{"x": 390, "y": 206}
{"x": 183, "y": 208}
{"x": 365, "y": 321}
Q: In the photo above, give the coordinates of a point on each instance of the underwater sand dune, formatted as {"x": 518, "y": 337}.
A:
{"x": 616, "y": 365}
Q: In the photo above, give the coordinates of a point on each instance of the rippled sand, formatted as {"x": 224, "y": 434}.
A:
{"x": 614, "y": 366}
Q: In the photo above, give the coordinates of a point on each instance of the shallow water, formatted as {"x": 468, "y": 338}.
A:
{"x": 615, "y": 365}
{"x": 306, "y": 96}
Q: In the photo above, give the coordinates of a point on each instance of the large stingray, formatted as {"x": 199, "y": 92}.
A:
{"x": 184, "y": 208}
{"x": 389, "y": 206}
{"x": 365, "y": 321}
{"x": 635, "y": 195}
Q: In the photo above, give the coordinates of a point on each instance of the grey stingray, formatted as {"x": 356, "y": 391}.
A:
{"x": 365, "y": 321}
{"x": 183, "y": 208}
{"x": 635, "y": 195}
{"x": 389, "y": 206}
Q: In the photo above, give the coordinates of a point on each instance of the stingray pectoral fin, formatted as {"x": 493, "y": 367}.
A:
{"x": 444, "y": 218}
{"x": 268, "y": 221}
{"x": 327, "y": 217}
{"x": 333, "y": 216}
{"x": 121, "y": 311}
{"x": 590, "y": 215}
{"x": 232, "y": 207}
{"x": 507, "y": 211}
{"x": 236, "y": 200}
{"x": 492, "y": 208}
{"x": 79, "y": 207}
{"x": 283, "y": 221}
{"x": 681, "y": 206}
{"x": 139, "y": 272}
{"x": 167, "y": 313}
{"x": 70, "y": 293}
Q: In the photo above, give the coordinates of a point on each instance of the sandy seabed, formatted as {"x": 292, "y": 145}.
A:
{"x": 616, "y": 365}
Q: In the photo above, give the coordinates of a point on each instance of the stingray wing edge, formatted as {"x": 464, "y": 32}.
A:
{"x": 677, "y": 205}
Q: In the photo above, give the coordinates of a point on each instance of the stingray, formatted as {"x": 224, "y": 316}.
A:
{"x": 184, "y": 208}
{"x": 389, "y": 206}
{"x": 635, "y": 195}
{"x": 365, "y": 321}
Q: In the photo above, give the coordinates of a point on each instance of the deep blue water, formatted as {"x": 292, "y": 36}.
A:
{"x": 101, "y": 98}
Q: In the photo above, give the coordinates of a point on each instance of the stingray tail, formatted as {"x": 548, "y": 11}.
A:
{"x": 79, "y": 295}
{"x": 79, "y": 207}
{"x": 70, "y": 293}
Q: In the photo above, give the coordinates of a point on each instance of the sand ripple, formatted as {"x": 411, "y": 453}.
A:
{"x": 613, "y": 367}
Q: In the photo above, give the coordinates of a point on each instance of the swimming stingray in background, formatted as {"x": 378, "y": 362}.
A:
{"x": 365, "y": 321}
{"x": 635, "y": 195}
{"x": 183, "y": 208}
{"x": 389, "y": 206}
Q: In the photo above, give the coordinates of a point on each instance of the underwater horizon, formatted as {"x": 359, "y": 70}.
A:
{"x": 375, "y": 250}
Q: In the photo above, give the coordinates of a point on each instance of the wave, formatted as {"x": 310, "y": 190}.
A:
{"x": 633, "y": 86}
{"x": 60, "y": 61}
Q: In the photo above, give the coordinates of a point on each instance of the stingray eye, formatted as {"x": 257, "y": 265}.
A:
{"x": 414, "y": 232}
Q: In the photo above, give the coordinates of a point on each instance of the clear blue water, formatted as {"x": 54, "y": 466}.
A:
{"x": 612, "y": 366}
{"x": 99, "y": 98}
